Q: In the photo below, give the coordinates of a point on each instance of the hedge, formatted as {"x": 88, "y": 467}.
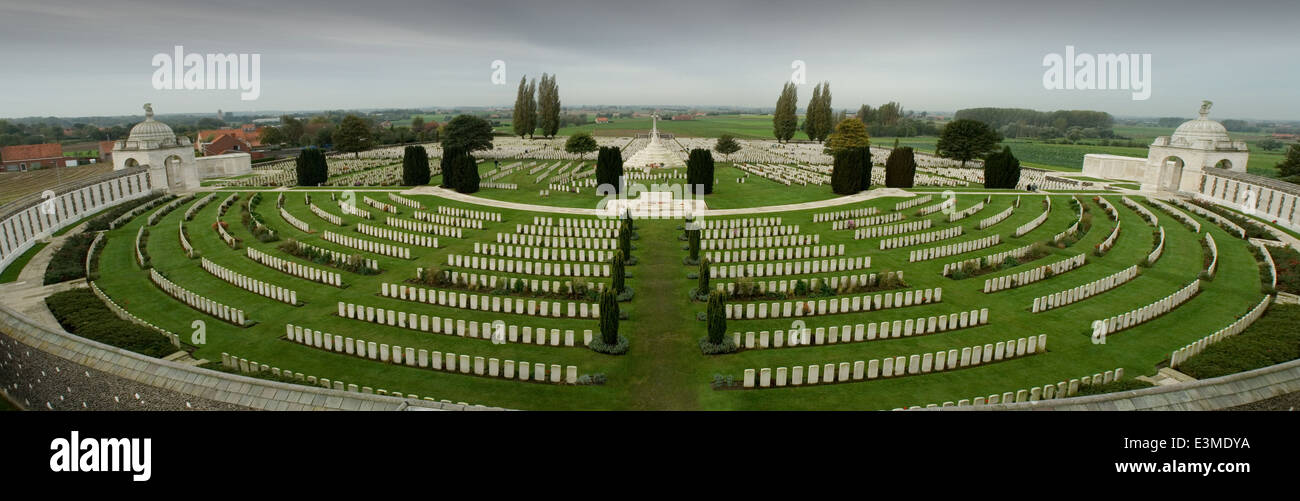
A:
{"x": 69, "y": 262}
{"x": 81, "y": 312}
{"x": 1271, "y": 340}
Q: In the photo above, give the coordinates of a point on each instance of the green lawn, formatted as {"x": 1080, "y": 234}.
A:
{"x": 664, "y": 369}
{"x": 15, "y": 268}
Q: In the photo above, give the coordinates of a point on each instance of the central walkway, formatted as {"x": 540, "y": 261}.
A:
{"x": 663, "y": 330}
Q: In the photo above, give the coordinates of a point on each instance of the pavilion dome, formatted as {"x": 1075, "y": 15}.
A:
{"x": 151, "y": 131}
{"x": 1201, "y": 129}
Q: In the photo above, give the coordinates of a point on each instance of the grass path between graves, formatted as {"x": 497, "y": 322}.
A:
{"x": 664, "y": 338}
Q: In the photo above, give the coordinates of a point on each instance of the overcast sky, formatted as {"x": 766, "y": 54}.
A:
{"x": 79, "y": 58}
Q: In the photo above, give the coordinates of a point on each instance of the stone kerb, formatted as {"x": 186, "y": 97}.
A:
{"x": 219, "y": 386}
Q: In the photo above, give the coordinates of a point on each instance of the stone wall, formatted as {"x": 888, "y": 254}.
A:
{"x": 175, "y": 386}
{"x": 31, "y": 219}
{"x": 230, "y": 164}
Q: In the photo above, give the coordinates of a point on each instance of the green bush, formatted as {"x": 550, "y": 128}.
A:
{"x": 101, "y": 222}
{"x": 81, "y": 312}
{"x": 69, "y": 262}
{"x": 1123, "y": 385}
{"x": 1272, "y": 339}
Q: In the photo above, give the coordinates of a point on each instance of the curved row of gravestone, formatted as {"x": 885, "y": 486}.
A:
{"x": 846, "y": 214}
{"x": 123, "y": 314}
{"x": 873, "y": 226}
{"x": 294, "y": 221}
{"x": 862, "y": 332}
{"x": 1037, "y": 221}
{"x": 946, "y": 204}
{"x": 469, "y": 213}
{"x": 988, "y": 222}
{"x": 969, "y": 211}
{"x": 496, "y": 331}
{"x": 843, "y": 284}
{"x": 246, "y": 366}
{"x": 294, "y": 269}
{"x": 900, "y": 366}
{"x": 1177, "y": 214}
{"x": 1062, "y": 389}
{"x": 775, "y": 253}
{"x": 989, "y": 260}
{"x": 194, "y": 300}
{"x": 1141, "y": 210}
{"x": 365, "y": 245}
{"x": 1107, "y": 326}
{"x": 424, "y": 359}
{"x": 507, "y": 283}
{"x": 586, "y": 222}
{"x": 1074, "y": 228}
{"x": 385, "y": 207}
{"x": 543, "y": 268}
{"x": 854, "y": 304}
{"x": 146, "y": 372}
{"x": 922, "y": 238}
{"x": 250, "y": 284}
{"x": 329, "y": 217}
{"x": 1085, "y": 291}
{"x": 760, "y": 242}
{"x": 542, "y": 253}
{"x": 397, "y": 236}
{"x": 1213, "y": 267}
{"x": 918, "y": 255}
{"x": 425, "y": 227}
{"x": 404, "y": 201}
{"x": 1196, "y": 347}
{"x": 789, "y": 268}
{"x": 567, "y": 231}
{"x": 496, "y": 304}
{"x": 1027, "y": 277}
{"x": 226, "y": 237}
{"x": 557, "y": 242}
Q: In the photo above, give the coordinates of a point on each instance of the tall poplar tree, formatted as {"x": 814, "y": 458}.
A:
{"x": 785, "y": 120}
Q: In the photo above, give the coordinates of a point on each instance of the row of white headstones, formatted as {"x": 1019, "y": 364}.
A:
{"x": 899, "y": 366}
{"x": 435, "y": 360}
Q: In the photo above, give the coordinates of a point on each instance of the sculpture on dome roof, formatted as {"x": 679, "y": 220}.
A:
{"x": 148, "y": 110}
{"x": 1205, "y": 107}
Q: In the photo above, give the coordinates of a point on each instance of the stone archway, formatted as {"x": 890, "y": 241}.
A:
{"x": 1171, "y": 173}
{"x": 1224, "y": 164}
{"x": 173, "y": 165}
{"x": 131, "y": 162}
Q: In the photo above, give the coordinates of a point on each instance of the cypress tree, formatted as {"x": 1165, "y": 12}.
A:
{"x": 900, "y": 168}
{"x": 846, "y": 174}
{"x": 608, "y": 318}
{"x": 866, "y": 169}
{"x": 693, "y": 235}
{"x": 717, "y": 318}
{"x": 467, "y": 177}
{"x": 450, "y": 166}
{"x": 311, "y": 167}
{"x": 415, "y": 166}
{"x": 785, "y": 120}
{"x": 810, "y": 120}
{"x": 704, "y": 277}
{"x": 617, "y": 272}
{"x": 825, "y": 118}
{"x": 609, "y": 166}
{"x": 699, "y": 169}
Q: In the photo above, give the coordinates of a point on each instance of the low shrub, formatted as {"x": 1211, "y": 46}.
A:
{"x": 81, "y": 312}
{"x": 1123, "y": 385}
{"x": 1272, "y": 339}
{"x": 69, "y": 262}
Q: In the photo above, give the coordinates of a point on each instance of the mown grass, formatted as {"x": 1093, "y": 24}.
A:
{"x": 664, "y": 368}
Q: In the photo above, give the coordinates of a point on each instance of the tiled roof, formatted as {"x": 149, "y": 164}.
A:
{"x": 31, "y": 152}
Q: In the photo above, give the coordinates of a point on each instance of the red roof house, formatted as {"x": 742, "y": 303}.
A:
{"x": 31, "y": 156}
